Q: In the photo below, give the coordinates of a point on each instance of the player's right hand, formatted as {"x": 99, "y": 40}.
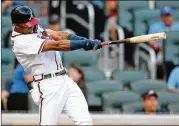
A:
{"x": 92, "y": 45}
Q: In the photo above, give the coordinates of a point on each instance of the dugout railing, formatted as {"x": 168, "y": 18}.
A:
{"x": 146, "y": 53}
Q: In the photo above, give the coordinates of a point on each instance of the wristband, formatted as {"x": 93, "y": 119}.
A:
{"x": 75, "y": 37}
{"x": 77, "y": 44}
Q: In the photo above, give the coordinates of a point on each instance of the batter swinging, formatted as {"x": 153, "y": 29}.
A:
{"x": 36, "y": 50}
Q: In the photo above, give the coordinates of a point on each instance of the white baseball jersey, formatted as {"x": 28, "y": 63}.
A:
{"x": 27, "y": 48}
{"x": 53, "y": 95}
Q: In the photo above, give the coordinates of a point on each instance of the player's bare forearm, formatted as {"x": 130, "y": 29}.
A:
{"x": 68, "y": 45}
{"x": 61, "y": 45}
{"x": 173, "y": 90}
{"x": 58, "y": 35}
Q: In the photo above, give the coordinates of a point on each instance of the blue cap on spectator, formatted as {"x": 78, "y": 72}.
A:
{"x": 166, "y": 11}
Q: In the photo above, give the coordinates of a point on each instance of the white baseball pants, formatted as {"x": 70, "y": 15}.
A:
{"x": 60, "y": 93}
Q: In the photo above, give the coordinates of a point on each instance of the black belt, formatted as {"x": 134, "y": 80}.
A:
{"x": 50, "y": 75}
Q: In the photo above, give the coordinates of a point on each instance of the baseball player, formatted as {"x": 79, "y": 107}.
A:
{"x": 36, "y": 50}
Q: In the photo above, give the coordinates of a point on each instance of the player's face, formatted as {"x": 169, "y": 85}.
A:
{"x": 29, "y": 30}
{"x": 151, "y": 104}
{"x": 25, "y": 30}
{"x": 167, "y": 19}
{"x": 74, "y": 74}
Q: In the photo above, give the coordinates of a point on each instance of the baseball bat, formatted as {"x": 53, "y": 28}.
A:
{"x": 138, "y": 39}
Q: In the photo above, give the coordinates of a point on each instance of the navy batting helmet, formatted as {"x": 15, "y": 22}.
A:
{"x": 23, "y": 16}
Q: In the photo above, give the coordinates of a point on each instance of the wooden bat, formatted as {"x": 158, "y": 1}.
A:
{"x": 138, "y": 39}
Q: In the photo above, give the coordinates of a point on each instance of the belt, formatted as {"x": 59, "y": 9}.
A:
{"x": 49, "y": 75}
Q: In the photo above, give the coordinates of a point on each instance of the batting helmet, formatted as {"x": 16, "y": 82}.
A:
{"x": 23, "y": 16}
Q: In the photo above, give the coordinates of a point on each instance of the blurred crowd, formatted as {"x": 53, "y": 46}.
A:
{"x": 15, "y": 98}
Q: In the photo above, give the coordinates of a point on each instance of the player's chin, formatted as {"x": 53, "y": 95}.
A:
{"x": 30, "y": 30}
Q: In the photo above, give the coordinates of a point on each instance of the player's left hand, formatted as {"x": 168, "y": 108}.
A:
{"x": 92, "y": 45}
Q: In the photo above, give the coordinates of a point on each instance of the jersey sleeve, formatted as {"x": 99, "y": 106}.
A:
{"x": 31, "y": 45}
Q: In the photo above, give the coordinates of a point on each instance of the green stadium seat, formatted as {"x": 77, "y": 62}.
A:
{"x": 7, "y": 82}
{"x": 2, "y": 42}
{"x": 8, "y": 57}
{"x": 5, "y": 31}
{"x": 115, "y": 99}
{"x": 171, "y": 47}
{"x": 6, "y": 69}
{"x": 166, "y": 98}
{"x": 172, "y": 54}
{"x": 128, "y": 76}
{"x": 132, "y": 107}
{"x": 36, "y": 11}
{"x": 143, "y": 86}
{"x": 95, "y": 89}
{"x": 93, "y": 75}
{"x": 161, "y": 4}
{"x": 125, "y": 12}
{"x": 141, "y": 19}
{"x": 93, "y": 100}
{"x": 43, "y": 21}
{"x": 176, "y": 15}
{"x": 173, "y": 107}
{"x": 6, "y": 21}
{"x": 7, "y": 62}
{"x": 85, "y": 58}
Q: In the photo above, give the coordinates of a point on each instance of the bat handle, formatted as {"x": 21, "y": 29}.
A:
{"x": 102, "y": 44}
{"x": 105, "y": 43}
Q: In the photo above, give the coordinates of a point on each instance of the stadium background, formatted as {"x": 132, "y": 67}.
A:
{"x": 115, "y": 76}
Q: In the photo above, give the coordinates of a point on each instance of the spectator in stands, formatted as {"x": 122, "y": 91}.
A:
{"x": 167, "y": 23}
{"x": 150, "y": 103}
{"x": 111, "y": 12}
{"x": 173, "y": 81}
{"x": 75, "y": 72}
{"x": 111, "y": 8}
{"x": 17, "y": 97}
{"x": 54, "y": 22}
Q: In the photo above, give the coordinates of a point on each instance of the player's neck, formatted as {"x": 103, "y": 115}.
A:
{"x": 18, "y": 30}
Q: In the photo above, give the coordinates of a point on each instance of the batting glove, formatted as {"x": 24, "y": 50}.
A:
{"x": 92, "y": 45}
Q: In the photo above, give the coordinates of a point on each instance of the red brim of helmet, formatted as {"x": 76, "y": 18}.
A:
{"x": 31, "y": 23}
